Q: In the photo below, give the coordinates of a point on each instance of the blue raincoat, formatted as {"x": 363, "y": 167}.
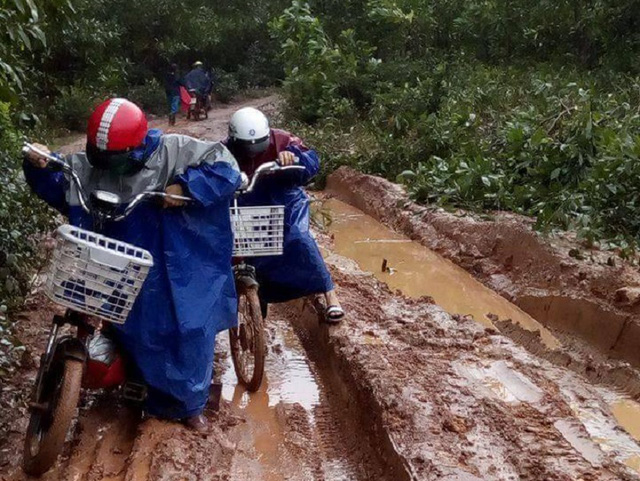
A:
{"x": 189, "y": 294}
{"x": 198, "y": 80}
{"x": 301, "y": 270}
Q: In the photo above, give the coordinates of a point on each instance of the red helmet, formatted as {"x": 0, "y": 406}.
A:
{"x": 115, "y": 128}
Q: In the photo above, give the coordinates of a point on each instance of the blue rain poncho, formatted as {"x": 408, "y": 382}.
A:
{"x": 199, "y": 80}
{"x": 301, "y": 270}
{"x": 189, "y": 294}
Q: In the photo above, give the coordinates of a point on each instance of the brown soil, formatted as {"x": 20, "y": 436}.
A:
{"x": 595, "y": 299}
{"x": 408, "y": 368}
{"x": 401, "y": 389}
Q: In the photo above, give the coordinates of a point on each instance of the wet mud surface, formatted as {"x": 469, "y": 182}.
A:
{"x": 579, "y": 292}
{"x": 426, "y": 379}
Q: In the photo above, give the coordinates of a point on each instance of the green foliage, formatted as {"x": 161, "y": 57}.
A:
{"x": 226, "y": 87}
{"x": 73, "y": 106}
{"x": 22, "y": 218}
{"x": 501, "y": 105}
{"x": 324, "y": 78}
{"x": 150, "y": 96}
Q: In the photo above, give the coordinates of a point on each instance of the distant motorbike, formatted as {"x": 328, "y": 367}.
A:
{"x": 197, "y": 106}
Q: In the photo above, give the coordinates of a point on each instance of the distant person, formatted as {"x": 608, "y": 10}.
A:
{"x": 172, "y": 83}
{"x": 300, "y": 271}
{"x": 199, "y": 80}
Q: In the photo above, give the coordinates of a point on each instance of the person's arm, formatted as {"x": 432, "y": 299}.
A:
{"x": 207, "y": 173}
{"x": 308, "y": 158}
{"x": 210, "y": 183}
{"x": 51, "y": 186}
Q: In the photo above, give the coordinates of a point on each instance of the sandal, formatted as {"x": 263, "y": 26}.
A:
{"x": 333, "y": 314}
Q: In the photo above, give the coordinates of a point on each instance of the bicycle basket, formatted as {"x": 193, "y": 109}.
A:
{"x": 257, "y": 231}
{"x": 96, "y": 275}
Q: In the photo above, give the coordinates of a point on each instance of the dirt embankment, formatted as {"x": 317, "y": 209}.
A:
{"x": 596, "y": 299}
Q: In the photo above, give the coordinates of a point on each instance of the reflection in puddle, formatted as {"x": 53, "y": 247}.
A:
{"x": 418, "y": 271}
{"x": 288, "y": 379}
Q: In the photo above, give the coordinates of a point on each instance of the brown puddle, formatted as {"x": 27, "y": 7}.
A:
{"x": 627, "y": 413}
{"x": 289, "y": 383}
{"x": 417, "y": 271}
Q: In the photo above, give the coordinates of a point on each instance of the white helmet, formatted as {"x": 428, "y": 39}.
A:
{"x": 249, "y": 131}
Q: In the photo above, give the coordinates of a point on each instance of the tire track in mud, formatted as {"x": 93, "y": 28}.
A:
{"x": 296, "y": 426}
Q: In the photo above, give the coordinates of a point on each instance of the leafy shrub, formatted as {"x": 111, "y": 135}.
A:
{"x": 22, "y": 218}
{"x": 150, "y": 97}
{"x": 226, "y": 87}
{"x": 73, "y": 107}
{"x": 323, "y": 78}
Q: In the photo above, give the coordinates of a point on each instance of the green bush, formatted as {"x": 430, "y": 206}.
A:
{"x": 323, "y": 78}
{"x": 22, "y": 218}
{"x": 73, "y": 107}
{"x": 151, "y": 97}
{"x": 226, "y": 87}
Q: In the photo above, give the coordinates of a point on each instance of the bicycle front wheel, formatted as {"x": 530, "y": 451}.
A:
{"x": 248, "y": 340}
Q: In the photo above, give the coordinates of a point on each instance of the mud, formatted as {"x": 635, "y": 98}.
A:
{"x": 456, "y": 400}
{"x": 418, "y": 271}
{"x": 402, "y": 390}
{"x": 581, "y": 292}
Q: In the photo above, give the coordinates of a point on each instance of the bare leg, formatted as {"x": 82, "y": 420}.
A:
{"x": 332, "y": 298}
{"x": 334, "y": 312}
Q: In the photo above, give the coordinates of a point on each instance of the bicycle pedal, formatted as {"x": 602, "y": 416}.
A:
{"x": 132, "y": 391}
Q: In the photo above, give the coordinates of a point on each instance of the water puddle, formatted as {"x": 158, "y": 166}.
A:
{"x": 616, "y": 435}
{"x": 627, "y": 412}
{"x": 417, "y": 271}
{"x": 606, "y": 433}
{"x": 289, "y": 380}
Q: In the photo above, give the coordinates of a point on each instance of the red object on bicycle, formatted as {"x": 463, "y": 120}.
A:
{"x": 99, "y": 375}
{"x": 185, "y": 99}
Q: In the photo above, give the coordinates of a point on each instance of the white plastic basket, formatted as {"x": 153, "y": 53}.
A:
{"x": 96, "y": 275}
{"x": 257, "y": 231}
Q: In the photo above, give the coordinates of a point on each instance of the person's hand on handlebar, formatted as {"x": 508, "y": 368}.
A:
{"x": 286, "y": 158}
{"x": 36, "y": 159}
{"x": 174, "y": 189}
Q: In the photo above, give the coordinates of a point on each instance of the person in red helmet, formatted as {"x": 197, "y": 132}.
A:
{"x": 189, "y": 293}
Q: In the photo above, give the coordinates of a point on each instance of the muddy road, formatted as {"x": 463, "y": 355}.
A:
{"x": 435, "y": 374}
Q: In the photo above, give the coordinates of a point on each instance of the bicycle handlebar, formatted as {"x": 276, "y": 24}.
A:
{"x": 58, "y": 164}
{"x": 267, "y": 168}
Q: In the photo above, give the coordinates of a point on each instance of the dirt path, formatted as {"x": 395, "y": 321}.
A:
{"x": 403, "y": 390}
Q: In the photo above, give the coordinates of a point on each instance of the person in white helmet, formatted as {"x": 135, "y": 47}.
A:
{"x": 301, "y": 270}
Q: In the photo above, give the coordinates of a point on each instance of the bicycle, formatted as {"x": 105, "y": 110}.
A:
{"x": 94, "y": 277}
{"x": 258, "y": 231}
